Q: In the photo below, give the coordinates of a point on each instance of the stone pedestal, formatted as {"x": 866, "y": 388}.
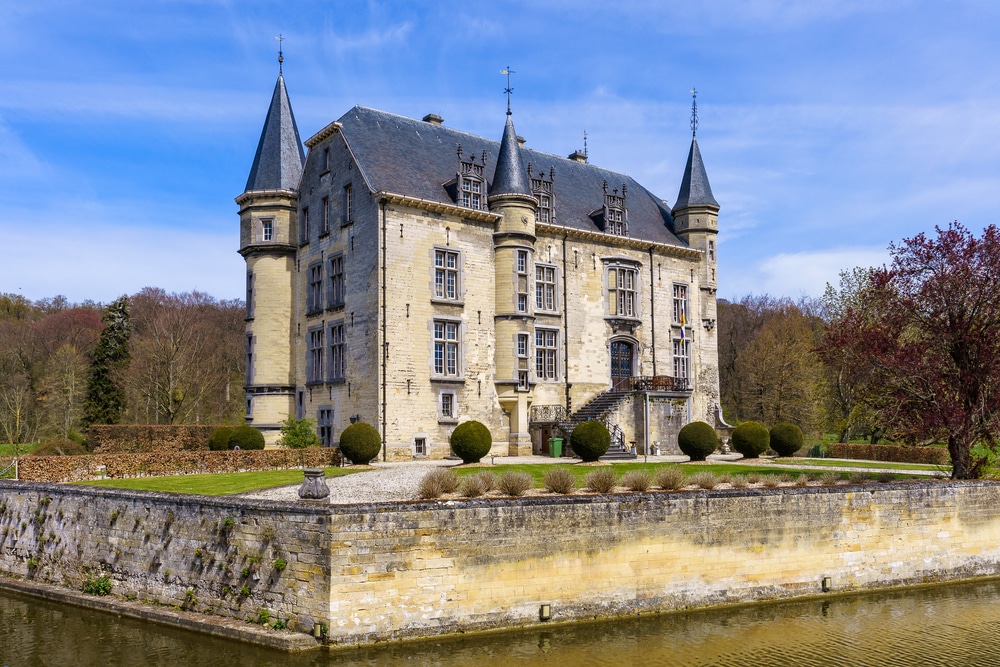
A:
{"x": 314, "y": 486}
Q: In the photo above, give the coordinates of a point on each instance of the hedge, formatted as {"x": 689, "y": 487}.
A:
{"x": 897, "y": 453}
{"x": 133, "y": 438}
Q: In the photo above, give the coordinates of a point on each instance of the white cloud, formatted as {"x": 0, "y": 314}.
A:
{"x": 799, "y": 274}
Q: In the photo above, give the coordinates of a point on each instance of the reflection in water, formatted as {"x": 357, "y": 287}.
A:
{"x": 947, "y": 625}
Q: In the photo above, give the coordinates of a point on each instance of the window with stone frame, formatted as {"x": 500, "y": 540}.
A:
{"x": 348, "y": 204}
{"x": 522, "y": 262}
{"x": 324, "y": 422}
{"x": 314, "y": 289}
{"x": 250, "y": 294}
{"x": 680, "y": 304}
{"x": 471, "y": 182}
{"x": 547, "y": 354}
{"x": 447, "y": 274}
{"x": 523, "y": 352}
{"x": 250, "y": 339}
{"x": 267, "y": 230}
{"x": 335, "y": 282}
{"x": 449, "y": 410}
{"x": 325, "y": 211}
{"x": 304, "y": 226}
{"x": 447, "y": 349}
{"x": 541, "y": 187}
{"x": 545, "y": 288}
{"x": 337, "y": 357}
{"x": 622, "y": 291}
{"x": 682, "y": 356}
{"x": 314, "y": 355}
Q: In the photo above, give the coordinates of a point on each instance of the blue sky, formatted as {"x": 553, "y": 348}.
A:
{"x": 829, "y": 128}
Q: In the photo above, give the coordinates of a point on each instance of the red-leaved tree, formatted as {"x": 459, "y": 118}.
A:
{"x": 928, "y": 328}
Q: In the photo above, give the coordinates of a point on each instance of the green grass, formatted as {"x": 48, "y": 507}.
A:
{"x": 538, "y": 470}
{"x": 859, "y": 463}
{"x": 7, "y": 449}
{"x": 221, "y": 484}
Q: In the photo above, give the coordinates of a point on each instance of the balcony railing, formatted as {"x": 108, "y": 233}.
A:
{"x": 659, "y": 383}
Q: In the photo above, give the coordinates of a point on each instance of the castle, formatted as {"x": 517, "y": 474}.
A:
{"x": 413, "y": 276}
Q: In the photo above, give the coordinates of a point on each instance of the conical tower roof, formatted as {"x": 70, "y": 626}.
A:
{"x": 695, "y": 189}
{"x": 510, "y": 177}
{"x": 279, "y": 159}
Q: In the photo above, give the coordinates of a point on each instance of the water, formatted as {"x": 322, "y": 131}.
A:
{"x": 952, "y": 625}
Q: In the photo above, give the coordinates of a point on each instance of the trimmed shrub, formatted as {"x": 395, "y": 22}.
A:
{"x": 360, "y": 443}
{"x": 559, "y": 480}
{"x": 704, "y": 480}
{"x": 488, "y": 479}
{"x": 473, "y": 486}
{"x": 751, "y": 439}
{"x": 471, "y": 441}
{"x": 246, "y": 437}
{"x": 829, "y": 479}
{"x": 636, "y": 480}
{"x": 786, "y": 438}
{"x": 590, "y": 440}
{"x": 601, "y": 480}
{"x": 697, "y": 440}
{"x": 219, "y": 440}
{"x": 670, "y": 478}
{"x": 59, "y": 448}
{"x": 437, "y": 482}
{"x": 514, "y": 483}
{"x": 770, "y": 481}
{"x": 739, "y": 482}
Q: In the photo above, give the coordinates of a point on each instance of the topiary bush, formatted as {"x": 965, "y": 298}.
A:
{"x": 246, "y": 437}
{"x": 219, "y": 440}
{"x": 786, "y": 438}
{"x": 590, "y": 440}
{"x": 471, "y": 441}
{"x": 360, "y": 443}
{"x": 751, "y": 439}
{"x": 697, "y": 440}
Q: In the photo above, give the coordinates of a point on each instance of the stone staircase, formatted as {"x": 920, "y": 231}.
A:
{"x": 598, "y": 408}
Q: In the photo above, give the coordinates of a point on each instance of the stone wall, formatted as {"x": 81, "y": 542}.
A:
{"x": 390, "y": 571}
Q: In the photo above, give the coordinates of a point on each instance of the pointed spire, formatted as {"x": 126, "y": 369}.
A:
{"x": 510, "y": 177}
{"x": 279, "y": 159}
{"x": 695, "y": 189}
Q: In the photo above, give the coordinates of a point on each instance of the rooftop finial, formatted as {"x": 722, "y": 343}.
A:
{"x": 508, "y": 71}
{"x": 694, "y": 112}
{"x": 585, "y": 154}
{"x": 281, "y": 57}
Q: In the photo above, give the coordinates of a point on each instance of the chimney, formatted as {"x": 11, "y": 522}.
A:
{"x": 578, "y": 156}
{"x": 433, "y": 119}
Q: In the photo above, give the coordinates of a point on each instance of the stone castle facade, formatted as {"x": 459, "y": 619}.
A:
{"x": 413, "y": 276}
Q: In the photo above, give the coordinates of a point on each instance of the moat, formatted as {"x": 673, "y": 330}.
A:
{"x": 950, "y": 625}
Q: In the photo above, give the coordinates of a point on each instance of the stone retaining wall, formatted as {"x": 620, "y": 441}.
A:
{"x": 395, "y": 570}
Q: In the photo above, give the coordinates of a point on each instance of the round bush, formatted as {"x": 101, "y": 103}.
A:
{"x": 360, "y": 443}
{"x": 786, "y": 438}
{"x": 219, "y": 439}
{"x": 59, "y": 448}
{"x": 697, "y": 440}
{"x": 751, "y": 439}
{"x": 471, "y": 441}
{"x": 590, "y": 440}
{"x": 246, "y": 437}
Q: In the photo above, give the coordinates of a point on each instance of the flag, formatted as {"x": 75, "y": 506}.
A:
{"x": 683, "y": 321}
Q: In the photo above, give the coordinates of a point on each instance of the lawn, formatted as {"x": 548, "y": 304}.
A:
{"x": 222, "y": 484}
{"x": 7, "y": 449}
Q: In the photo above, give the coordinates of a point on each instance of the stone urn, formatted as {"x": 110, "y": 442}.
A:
{"x": 314, "y": 486}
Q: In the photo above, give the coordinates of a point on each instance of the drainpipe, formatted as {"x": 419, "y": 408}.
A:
{"x": 565, "y": 328}
{"x": 652, "y": 309}
{"x": 385, "y": 340}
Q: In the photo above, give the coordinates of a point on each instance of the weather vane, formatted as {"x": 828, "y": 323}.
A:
{"x": 508, "y": 71}
{"x": 694, "y": 112}
{"x": 585, "y": 144}
{"x": 281, "y": 58}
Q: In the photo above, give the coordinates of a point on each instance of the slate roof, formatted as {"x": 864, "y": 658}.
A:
{"x": 695, "y": 189}
{"x": 416, "y": 158}
{"x": 511, "y": 177}
{"x": 279, "y": 159}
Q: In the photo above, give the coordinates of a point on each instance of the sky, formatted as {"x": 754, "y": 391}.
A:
{"x": 829, "y": 128}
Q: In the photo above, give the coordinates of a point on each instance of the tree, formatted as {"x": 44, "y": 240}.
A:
{"x": 105, "y": 399}
{"x": 928, "y": 327}
{"x": 298, "y": 433}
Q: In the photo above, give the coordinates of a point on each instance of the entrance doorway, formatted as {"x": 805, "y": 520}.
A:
{"x": 545, "y": 433}
{"x": 622, "y": 354}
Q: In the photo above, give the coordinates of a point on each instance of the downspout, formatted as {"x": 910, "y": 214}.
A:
{"x": 565, "y": 328}
{"x": 385, "y": 341}
{"x": 652, "y": 309}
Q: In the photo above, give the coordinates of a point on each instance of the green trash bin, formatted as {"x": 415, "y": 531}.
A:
{"x": 555, "y": 447}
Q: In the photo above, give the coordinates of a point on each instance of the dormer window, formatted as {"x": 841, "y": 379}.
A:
{"x": 541, "y": 187}
{"x": 612, "y": 218}
{"x": 471, "y": 181}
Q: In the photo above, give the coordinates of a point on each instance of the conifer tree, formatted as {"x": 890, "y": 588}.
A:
{"x": 105, "y": 399}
